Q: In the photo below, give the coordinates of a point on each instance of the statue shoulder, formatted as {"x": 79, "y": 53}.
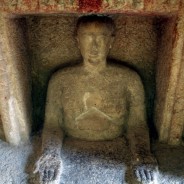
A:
{"x": 124, "y": 72}
{"x": 127, "y": 77}
{"x": 65, "y": 74}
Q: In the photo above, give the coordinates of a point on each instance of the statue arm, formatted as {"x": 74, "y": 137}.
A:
{"x": 49, "y": 164}
{"x": 143, "y": 161}
{"x": 52, "y": 135}
{"x": 138, "y": 133}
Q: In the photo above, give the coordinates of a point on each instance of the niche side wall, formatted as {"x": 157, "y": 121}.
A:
{"x": 15, "y": 83}
{"x": 169, "y": 106}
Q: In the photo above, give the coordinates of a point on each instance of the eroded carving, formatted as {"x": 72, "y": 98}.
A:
{"x": 95, "y": 101}
{"x": 139, "y": 4}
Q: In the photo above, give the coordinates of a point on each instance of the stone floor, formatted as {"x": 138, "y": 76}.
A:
{"x": 89, "y": 163}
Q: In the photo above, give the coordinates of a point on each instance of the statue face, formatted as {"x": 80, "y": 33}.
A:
{"x": 94, "y": 42}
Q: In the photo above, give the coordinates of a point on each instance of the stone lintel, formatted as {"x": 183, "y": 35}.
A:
{"x": 86, "y": 6}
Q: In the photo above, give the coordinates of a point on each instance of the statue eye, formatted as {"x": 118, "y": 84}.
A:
{"x": 87, "y": 36}
{"x": 102, "y": 37}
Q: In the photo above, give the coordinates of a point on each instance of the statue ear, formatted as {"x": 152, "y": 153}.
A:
{"x": 111, "y": 41}
{"x": 78, "y": 45}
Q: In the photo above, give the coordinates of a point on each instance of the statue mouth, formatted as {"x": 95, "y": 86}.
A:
{"x": 93, "y": 55}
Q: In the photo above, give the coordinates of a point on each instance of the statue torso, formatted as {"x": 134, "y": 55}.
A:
{"x": 94, "y": 106}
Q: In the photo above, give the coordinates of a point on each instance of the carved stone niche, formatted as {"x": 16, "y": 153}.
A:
{"x": 36, "y": 38}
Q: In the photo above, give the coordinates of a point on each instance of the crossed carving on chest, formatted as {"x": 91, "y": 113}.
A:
{"x": 93, "y": 118}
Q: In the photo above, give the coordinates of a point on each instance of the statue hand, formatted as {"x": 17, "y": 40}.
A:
{"x": 49, "y": 167}
{"x": 146, "y": 171}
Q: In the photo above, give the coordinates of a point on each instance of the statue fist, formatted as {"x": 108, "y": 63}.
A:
{"x": 49, "y": 167}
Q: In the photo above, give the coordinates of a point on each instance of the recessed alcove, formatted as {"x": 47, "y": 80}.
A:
{"x": 37, "y": 38}
{"x": 143, "y": 42}
{"x": 52, "y": 45}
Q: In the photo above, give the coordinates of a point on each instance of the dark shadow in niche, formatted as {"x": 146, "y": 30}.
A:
{"x": 2, "y": 136}
{"x": 39, "y": 93}
{"x": 171, "y": 163}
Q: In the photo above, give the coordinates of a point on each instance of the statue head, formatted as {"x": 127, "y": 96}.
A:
{"x": 95, "y": 35}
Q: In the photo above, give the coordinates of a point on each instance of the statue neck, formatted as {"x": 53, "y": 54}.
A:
{"x": 94, "y": 67}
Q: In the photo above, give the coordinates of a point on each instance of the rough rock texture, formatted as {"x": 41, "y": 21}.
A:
{"x": 15, "y": 102}
{"x": 177, "y": 122}
{"x": 1, "y": 130}
{"x": 45, "y": 6}
{"x": 169, "y": 99}
{"x": 87, "y": 162}
{"x": 13, "y": 163}
{"x": 94, "y": 160}
{"x": 163, "y": 66}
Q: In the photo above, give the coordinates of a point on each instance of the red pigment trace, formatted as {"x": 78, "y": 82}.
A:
{"x": 90, "y": 5}
{"x": 27, "y": 3}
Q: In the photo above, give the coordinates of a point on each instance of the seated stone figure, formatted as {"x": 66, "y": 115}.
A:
{"x": 95, "y": 101}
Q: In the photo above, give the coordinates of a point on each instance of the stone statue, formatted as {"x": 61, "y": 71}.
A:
{"x": 95, "y": 101}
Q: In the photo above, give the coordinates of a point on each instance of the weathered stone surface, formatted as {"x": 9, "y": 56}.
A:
{"x": 1, "y": 130}
{"x": 27, "y": 5}
{"x": 177, "y": 122}
{"x": 162, "y": 5}
{"x": 169, "y": 106}
{"x": 163, "y": 110}
{"x": 70, "y": 6}
{"x": 61, "y": 5}
{"x": 15, "y": 105}
{"x": 90, "y": 6}
{"x": 123, "y": 5}
{"x": 7, "y": 5}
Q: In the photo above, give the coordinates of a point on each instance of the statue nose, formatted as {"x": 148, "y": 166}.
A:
{"x": 94, "y": 45}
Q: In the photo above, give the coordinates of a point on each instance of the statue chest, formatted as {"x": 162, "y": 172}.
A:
{"x": 94, "y": 109}
{"x": 86, "y": 95}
